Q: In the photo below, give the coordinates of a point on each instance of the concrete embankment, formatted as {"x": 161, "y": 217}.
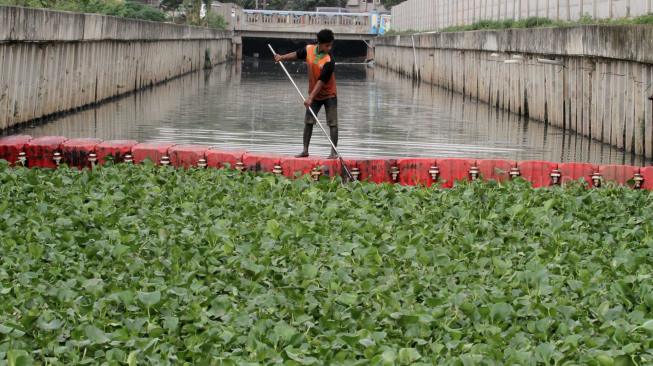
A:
{"x": 52, "y": 62}
{"x": 595, "y": 80}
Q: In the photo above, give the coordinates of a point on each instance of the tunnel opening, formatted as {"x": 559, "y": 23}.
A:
{"x": 343, "y": 50}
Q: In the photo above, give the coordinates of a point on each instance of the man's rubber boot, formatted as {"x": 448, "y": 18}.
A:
{"x": 333, "y": 131}
{"x": 308, "y": 132}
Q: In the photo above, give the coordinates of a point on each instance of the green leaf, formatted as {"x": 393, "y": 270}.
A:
{"x": 95, "y": 335}
{"x": 500, "y": 311}
{"x": 623, "y": 360}
{"x": 93, "y": 285}
{"x": 119, "y": 250}
{"x": 348, "y": 299}
{"x": 366, "y": 342}
{"x": 284, "y": 332}
{"x": 132, "y": 359}
{"x": 116, "y": 354}
{"x": 35, "y": 250}
{"x": 171, "y": 322}
{"x": 5, "y": 329}
{"x": 11, "y": 330}
{"x": 389, "y": 357}
{"x": 605, "y": 360}
{"x": 647, "y": 325}
{"x": 19, "y": 358}
{"x": 51, "y": 325}
{"x": 408, "y": 355}
{"x": 309, "y": 271}
{"x": 273, "y": 228}
{"x": 545, "y": 351}
{"x": 149, "y": 299}
{"x": 298, "y": 357}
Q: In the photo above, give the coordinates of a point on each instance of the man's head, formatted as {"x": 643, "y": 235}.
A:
{"x": 325, "y": 40}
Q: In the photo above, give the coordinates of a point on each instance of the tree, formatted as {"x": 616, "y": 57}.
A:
{"x": 193, "y": 8}
{"x": 390, "y": 3}
{"x": 246, "y": 4}
{"x": 171, "y": 4}
{"x": 303, "y": 5}
{"x": 308, "y": 5}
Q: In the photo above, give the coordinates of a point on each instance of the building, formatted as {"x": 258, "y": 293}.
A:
{"x": 327, "y": 9}
{"x": 229, "y": 11}
{"x": 364, "y": 6}
{"x": 152, "y": 3}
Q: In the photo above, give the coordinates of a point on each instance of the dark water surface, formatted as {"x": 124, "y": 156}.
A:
{"x": 381, "y": 114}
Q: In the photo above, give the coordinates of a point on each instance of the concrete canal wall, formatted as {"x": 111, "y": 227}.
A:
{"x": 595, "y": 80}
{"x": 427, "y": 15}
{"x": 52, "y": 62}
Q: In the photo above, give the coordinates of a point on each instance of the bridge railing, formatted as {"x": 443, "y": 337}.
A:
{"x": 299, "y": 21}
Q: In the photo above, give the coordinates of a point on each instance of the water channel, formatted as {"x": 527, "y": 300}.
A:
{"x": 252, "y": 105}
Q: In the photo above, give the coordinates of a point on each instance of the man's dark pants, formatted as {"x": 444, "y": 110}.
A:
{"x": 331, "y": 108}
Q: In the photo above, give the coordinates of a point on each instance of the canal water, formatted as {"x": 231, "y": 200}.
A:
{"x": 253, "y": 106}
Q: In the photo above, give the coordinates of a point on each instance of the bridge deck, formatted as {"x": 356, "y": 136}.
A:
{"x": 297, "y": 24}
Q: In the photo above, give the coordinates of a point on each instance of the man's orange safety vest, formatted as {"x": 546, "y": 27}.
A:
{"x": 315, "y": 62}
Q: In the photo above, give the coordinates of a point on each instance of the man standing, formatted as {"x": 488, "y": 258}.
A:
{"x": 321, "y": 86}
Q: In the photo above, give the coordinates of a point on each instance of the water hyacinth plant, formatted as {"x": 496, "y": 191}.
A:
{"x": 137, "y": 264}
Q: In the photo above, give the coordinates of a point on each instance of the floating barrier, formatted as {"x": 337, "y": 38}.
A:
{"x": 51, "y": 151}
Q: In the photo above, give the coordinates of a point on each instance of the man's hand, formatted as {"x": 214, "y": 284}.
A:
{"x": 287, "y": 57}
{"x": 314, "y": 93}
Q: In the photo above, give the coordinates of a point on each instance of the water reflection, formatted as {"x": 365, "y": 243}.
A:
{"x": 253, "y": 106}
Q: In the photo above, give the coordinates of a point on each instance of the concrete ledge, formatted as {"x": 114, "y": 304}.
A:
{"x": 629, "y": 42}
{"x": 45, "y": 152}
{"x": 40, "y": 25}
{"x": 300, "y": 35}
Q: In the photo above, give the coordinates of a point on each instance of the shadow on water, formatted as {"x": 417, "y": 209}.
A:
{"x": 381, "y": 114}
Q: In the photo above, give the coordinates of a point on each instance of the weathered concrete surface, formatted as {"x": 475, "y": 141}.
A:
{"x": 594, "y": 80}
{"x": 301, "y": 25}
{"x": 425, "y": 15}
{"x": 300, "y": 35}
{"x": 40, "y": 25}
{"x": 52, "y": 62}
{"x": 303, "y": 22}
{"x": 632, "y": 43}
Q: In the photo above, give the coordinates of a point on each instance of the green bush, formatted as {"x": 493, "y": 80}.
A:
{"x": 216, "y": 21}
{"x": 136, "y": 11}
{"x": 127, "y": 9}
{"x": 536, "y": 22}
{"x": 645, "y": 19}
{"x": 25, "y": 3}
{"x": 533, "y": 22}
{"x": 135, "y": 264}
